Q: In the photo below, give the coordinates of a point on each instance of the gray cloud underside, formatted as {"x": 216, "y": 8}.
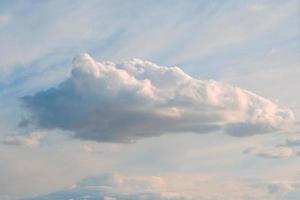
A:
{"x": 136, "y": 99}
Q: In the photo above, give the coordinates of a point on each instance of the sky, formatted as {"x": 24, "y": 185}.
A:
{"x": 163, "y": 100}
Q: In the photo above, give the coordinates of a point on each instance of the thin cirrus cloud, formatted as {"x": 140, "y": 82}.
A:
{"x": 270, "y": 152}
{"x": 108, "y": 102}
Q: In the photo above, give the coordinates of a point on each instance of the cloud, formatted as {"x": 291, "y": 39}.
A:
{"x": 172, "y": 187}
{"x": 4, "y": 20}
{"x": 87, "y": 148}
{"x": 32, "y": 140}
{"x": 280, "y": 187}
{"x": 270, "y": 152}
{"x": 290, "y": 142}
{"x": 295, "y": 141}
{"x": 90, "y": 149}
{"x": 110, "y": 102}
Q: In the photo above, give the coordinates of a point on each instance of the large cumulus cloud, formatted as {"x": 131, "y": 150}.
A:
{"x": 136, "y": 99}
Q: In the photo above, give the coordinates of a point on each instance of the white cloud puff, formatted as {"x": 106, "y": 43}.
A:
{"x": 271, "y": 152}
{"x": 123, "y": 102}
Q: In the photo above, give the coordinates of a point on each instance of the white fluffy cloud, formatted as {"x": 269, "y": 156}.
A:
{"x": 137, "y": 99}
{"x": 31, "y": 140}
{"x": 271, "y": 152}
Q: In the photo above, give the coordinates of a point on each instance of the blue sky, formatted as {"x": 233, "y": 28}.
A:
{"x": 253, "y": 45}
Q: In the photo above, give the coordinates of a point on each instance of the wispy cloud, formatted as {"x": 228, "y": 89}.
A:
{"x": 293, "y": 141}
{"x": 271, "y": 152}
{"x": 32, "y": 140}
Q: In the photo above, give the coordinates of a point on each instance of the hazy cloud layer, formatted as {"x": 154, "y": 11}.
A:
{"x": 293, "y": 141}
{"x": 121, "y": 187}
{"x": 31, "y": 140}
{"x": 137, "y": 99}
{"x": 271, "y": 152}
